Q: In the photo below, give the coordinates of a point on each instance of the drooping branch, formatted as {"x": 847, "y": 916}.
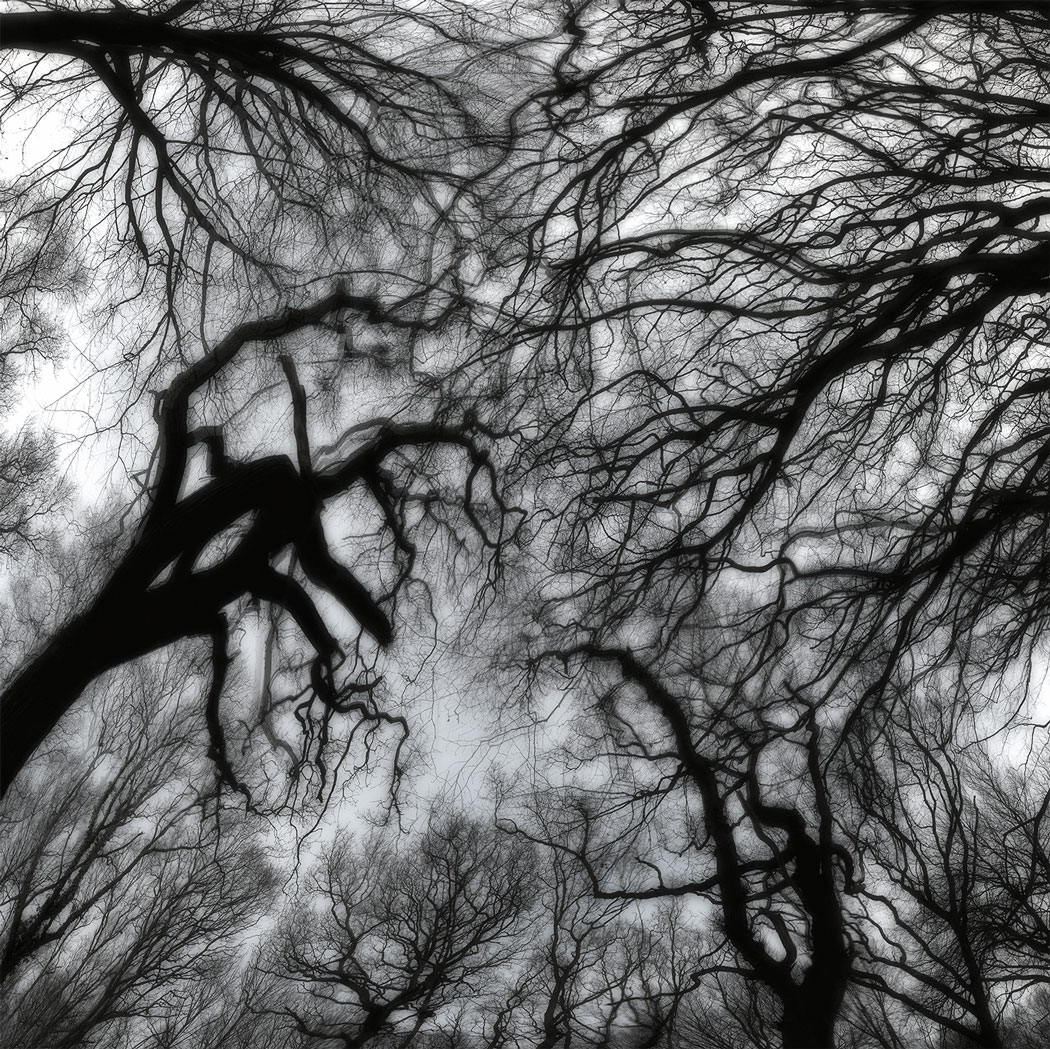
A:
{"x": 209, "y": 130}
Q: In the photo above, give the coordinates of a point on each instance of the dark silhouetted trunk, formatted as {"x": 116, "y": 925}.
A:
{"x": 802, "y": 1028}
{"x": 808, "y": 1020}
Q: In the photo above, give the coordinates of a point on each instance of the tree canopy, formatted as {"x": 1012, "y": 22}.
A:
{"x": 629, "y": 425}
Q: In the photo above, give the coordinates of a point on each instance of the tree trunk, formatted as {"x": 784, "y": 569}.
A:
{"x": 107, "y": 635}
{"x": 806, "y": 1025}
{"x": 809, "y": 1017}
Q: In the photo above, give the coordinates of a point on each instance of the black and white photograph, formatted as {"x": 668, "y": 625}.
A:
{"x": 524, "y": 524}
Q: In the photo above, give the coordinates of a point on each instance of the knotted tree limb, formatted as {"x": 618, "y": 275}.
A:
{"x": 158, "y": 595}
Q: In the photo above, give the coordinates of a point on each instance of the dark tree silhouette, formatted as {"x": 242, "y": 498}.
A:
{"x": 218, "y": 163}
{"x": 776, "y": 871}
{"x": 778, "y": 352}
{"x": 211, "y": 141}
{"x": 388, "y": 937}
{"x": 160, "y": 591}
{"x": 955, "y": 844}
{"x": 746, "y": 303}
{"x": 601, "y": 968}
{"x": 808, "y": 373}
{"x": 936, "y": 934}
{"x": 122, "y": 895}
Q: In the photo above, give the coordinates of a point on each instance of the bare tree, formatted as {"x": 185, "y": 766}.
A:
{"x": 161, "y": 590}
{"x": 186, "y": 164}
{"x": 807, "y": 375}
{"x": 763, "y": 351}
{"x": 213, "y": 142}
{"x": 935, "y": 936}
{"x": 121, "y": 899}
{"x": 569, "y": 984}
{"x": 220, "y": 163}
{"x": 955, "y": 847}
{"x": 618, "y": 962}
{"x": 752, "y": 812}
{"x": 778, "y": 353}
{"x": 390, "y": 937}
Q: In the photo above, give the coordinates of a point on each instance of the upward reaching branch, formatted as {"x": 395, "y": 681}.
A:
{"x": 805, "y": 867}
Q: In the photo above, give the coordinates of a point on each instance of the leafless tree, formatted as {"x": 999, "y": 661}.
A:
{"x": 617, "y": 963}
{"x": 391, "y": 936}
{"x": 779, "y": 362}
{"x": 122, "y": 903}
{"x": 954, "y": 845}
{"x": 759, "y": 341}
{"x": 247, "y": 514}
{"x": 805, "y": 383}
{"x": 192, "y": 142}
{"x": 179, "y": 165}
{"x": 935, "y": 936}
{"x": 685, "y": 810}
{"x": 218, "y": 163}
{"x": 569, "y": 979}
